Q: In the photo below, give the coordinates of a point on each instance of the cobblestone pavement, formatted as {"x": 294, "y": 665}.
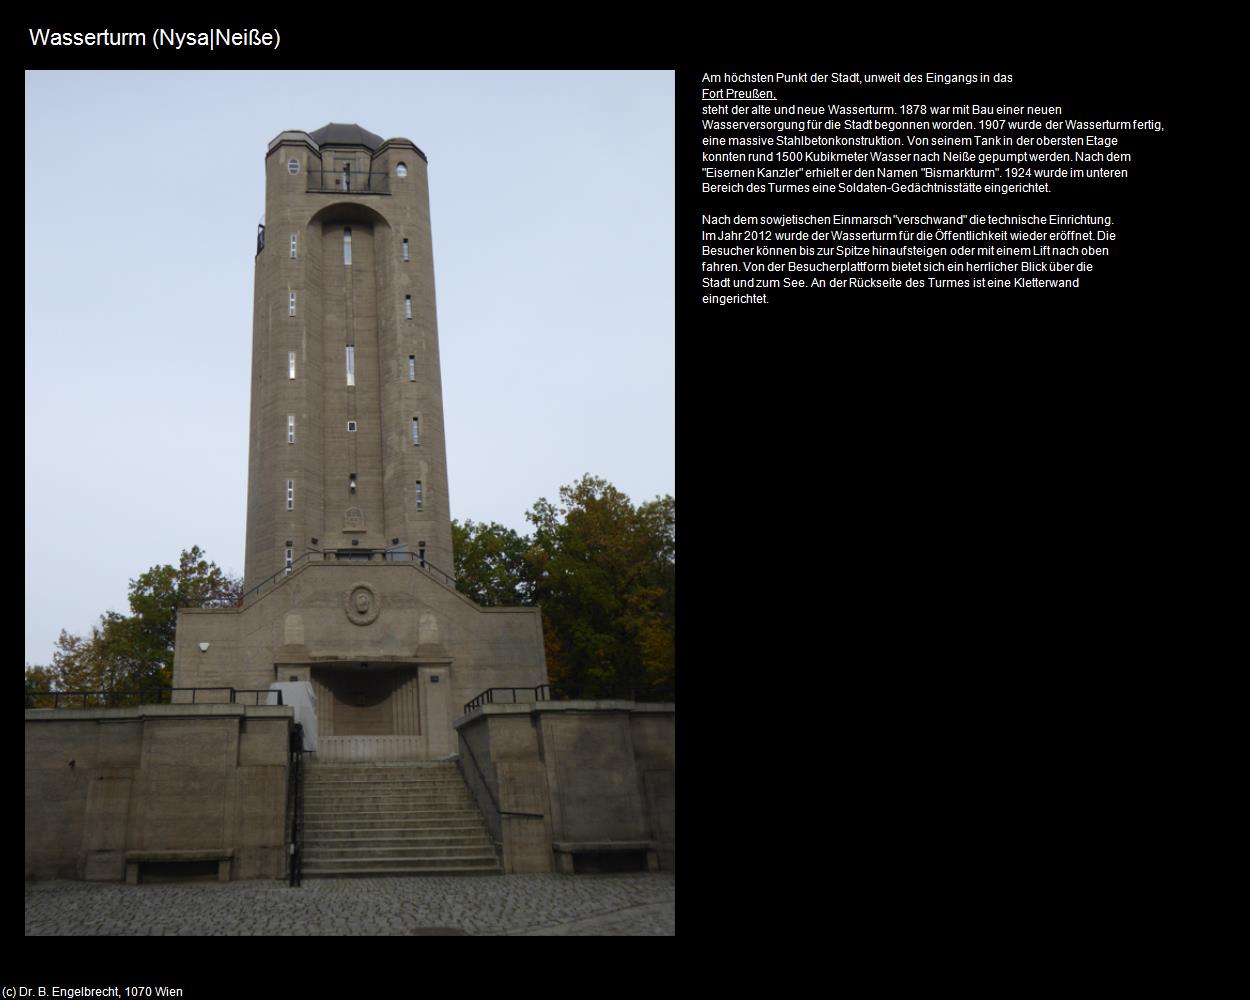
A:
{"x": 639, "y": 904}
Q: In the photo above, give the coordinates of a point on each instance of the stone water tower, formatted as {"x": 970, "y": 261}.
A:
{"x": 349, "y": 566}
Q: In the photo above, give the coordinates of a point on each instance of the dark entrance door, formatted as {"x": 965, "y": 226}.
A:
{"x": 367, "y": 701}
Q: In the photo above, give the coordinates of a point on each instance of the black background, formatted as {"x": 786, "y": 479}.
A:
{"x": 939, "y": 549}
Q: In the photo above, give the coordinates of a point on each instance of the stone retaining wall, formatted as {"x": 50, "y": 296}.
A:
{"x": 591, "y": 773}
{"x": 104, "y": 782}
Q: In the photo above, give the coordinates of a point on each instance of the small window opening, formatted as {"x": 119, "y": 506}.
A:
{"x": 351, "y": 427}
{"x": 291, "y": 311}
{"x": 290, "y": 494}
{"x": 292, "y": 165}
{"x": 290, "y": 429}
{"x": 412, "y": 367}
{"x": 405, "y": 249}
{"x": 347, "y": 246}
{"x": 294, "y": 245}
{"x": 351, "y": 365}
{"x": 407, "y": 307}
{"x": 290, "y": 364}
{"x": 420, "y": 497}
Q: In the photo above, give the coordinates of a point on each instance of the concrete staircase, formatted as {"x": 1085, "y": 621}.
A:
{"x": 374, "y": 820}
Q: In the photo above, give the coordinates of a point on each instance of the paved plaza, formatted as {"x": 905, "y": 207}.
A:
{"x": 632, "y": 904}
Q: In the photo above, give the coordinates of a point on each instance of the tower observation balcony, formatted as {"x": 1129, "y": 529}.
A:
{"x": 348, "y": 182}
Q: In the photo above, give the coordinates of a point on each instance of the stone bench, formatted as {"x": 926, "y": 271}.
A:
{"x": 564, "y": 851}
{"x": 223, "y": 857}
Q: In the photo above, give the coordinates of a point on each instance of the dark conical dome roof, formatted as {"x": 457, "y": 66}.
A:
{"x": 345, "y": 135}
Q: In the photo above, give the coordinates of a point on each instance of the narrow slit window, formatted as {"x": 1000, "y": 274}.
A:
{"x": 412, "y": 367}
{"x": 405, "y": 250}
{"x": 347, "y": 246}
{"x": 351, "y": 365}
{"x": 290, "y": 428}
{"x": 351, "y": 483}
{"x": 291, "y": 310}
{"x": 416, "y": 430}
{"x": 407, "y": 307}
{"x": 351, "y": 427}
{"x": 290, "y": 559}
{"x": 294, "y": 246}
{"x": 420, "y": 497}
{"x": 290, "y": 364}
{"x": 290, "y": 494}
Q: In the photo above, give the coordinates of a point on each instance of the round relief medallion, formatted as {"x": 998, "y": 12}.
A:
{"x": 362, "y": 604}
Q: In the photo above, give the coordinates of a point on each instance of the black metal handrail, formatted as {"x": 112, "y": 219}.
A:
{"x": 558, "y": 692}
{"x": 282, "y": 573}
{"x": 395, "y": 555}
{"x": 543, "y": 692}
{"x": 295, "y": 803}
{"x": 486, "y": 785}
{"x": 361, "y": 555}
{"x": 351, "y": 182}
{"x": 256, "y": 691}
{"x": 119, "y": 699}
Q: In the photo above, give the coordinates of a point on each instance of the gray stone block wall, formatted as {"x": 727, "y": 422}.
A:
{"x": 600, "y": 773}
{"x": 104, "y": 782}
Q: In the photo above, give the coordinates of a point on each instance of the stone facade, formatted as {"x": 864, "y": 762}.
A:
{"x": 389, "y": 683}
{"x": 563, "y": 781}
{"x": 109, "y": 790}
{"x": 311, "y": 308}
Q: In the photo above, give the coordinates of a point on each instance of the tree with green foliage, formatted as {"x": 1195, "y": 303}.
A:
{"x": 602, "y": 571}
{"x": 604, "y": 574}
{"x": 136, "y": 652}
{"x": 39, "y": 680}
{"x": 491, "y": 564}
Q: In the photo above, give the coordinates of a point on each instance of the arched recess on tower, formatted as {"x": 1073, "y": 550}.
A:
{"x": 346, "y": 213}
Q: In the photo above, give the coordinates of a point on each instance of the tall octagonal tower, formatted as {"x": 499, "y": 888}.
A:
{"x": 347, "y": 446}
{"x": 349, "y": 571}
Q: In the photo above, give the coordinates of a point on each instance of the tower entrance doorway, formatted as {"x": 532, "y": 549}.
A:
{"x": 370, "y": 711}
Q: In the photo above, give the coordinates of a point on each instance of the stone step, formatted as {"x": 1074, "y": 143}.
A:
{"x": 404, "y": 828}
{"x": 405, "y": 821}
{"x": 388, "y": 806}
{"x": 375, "y": 820}
{"x": 482, "y": 860}
{"x": 381, "y": 774}
{"x": 359, "y": 770}
{"x": 345, "y": 784}
{"x": 473, "y": 852}
{"x": 364, "y": 795}
{"x": 398, "y": 871}
{"x": 356, "y": 791}
{"x": 474, "y": 838}
{"x": 356, "y": 816}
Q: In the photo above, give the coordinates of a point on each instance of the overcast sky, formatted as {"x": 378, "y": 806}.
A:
{"x": 552, "y": 211}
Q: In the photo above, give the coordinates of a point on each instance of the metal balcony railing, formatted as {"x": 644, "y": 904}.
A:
{"x": 152, "y": 696}
{"x": 340, "y": 182}
{"x": 593, "y": 691}
{"x": 354, "y": 555}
